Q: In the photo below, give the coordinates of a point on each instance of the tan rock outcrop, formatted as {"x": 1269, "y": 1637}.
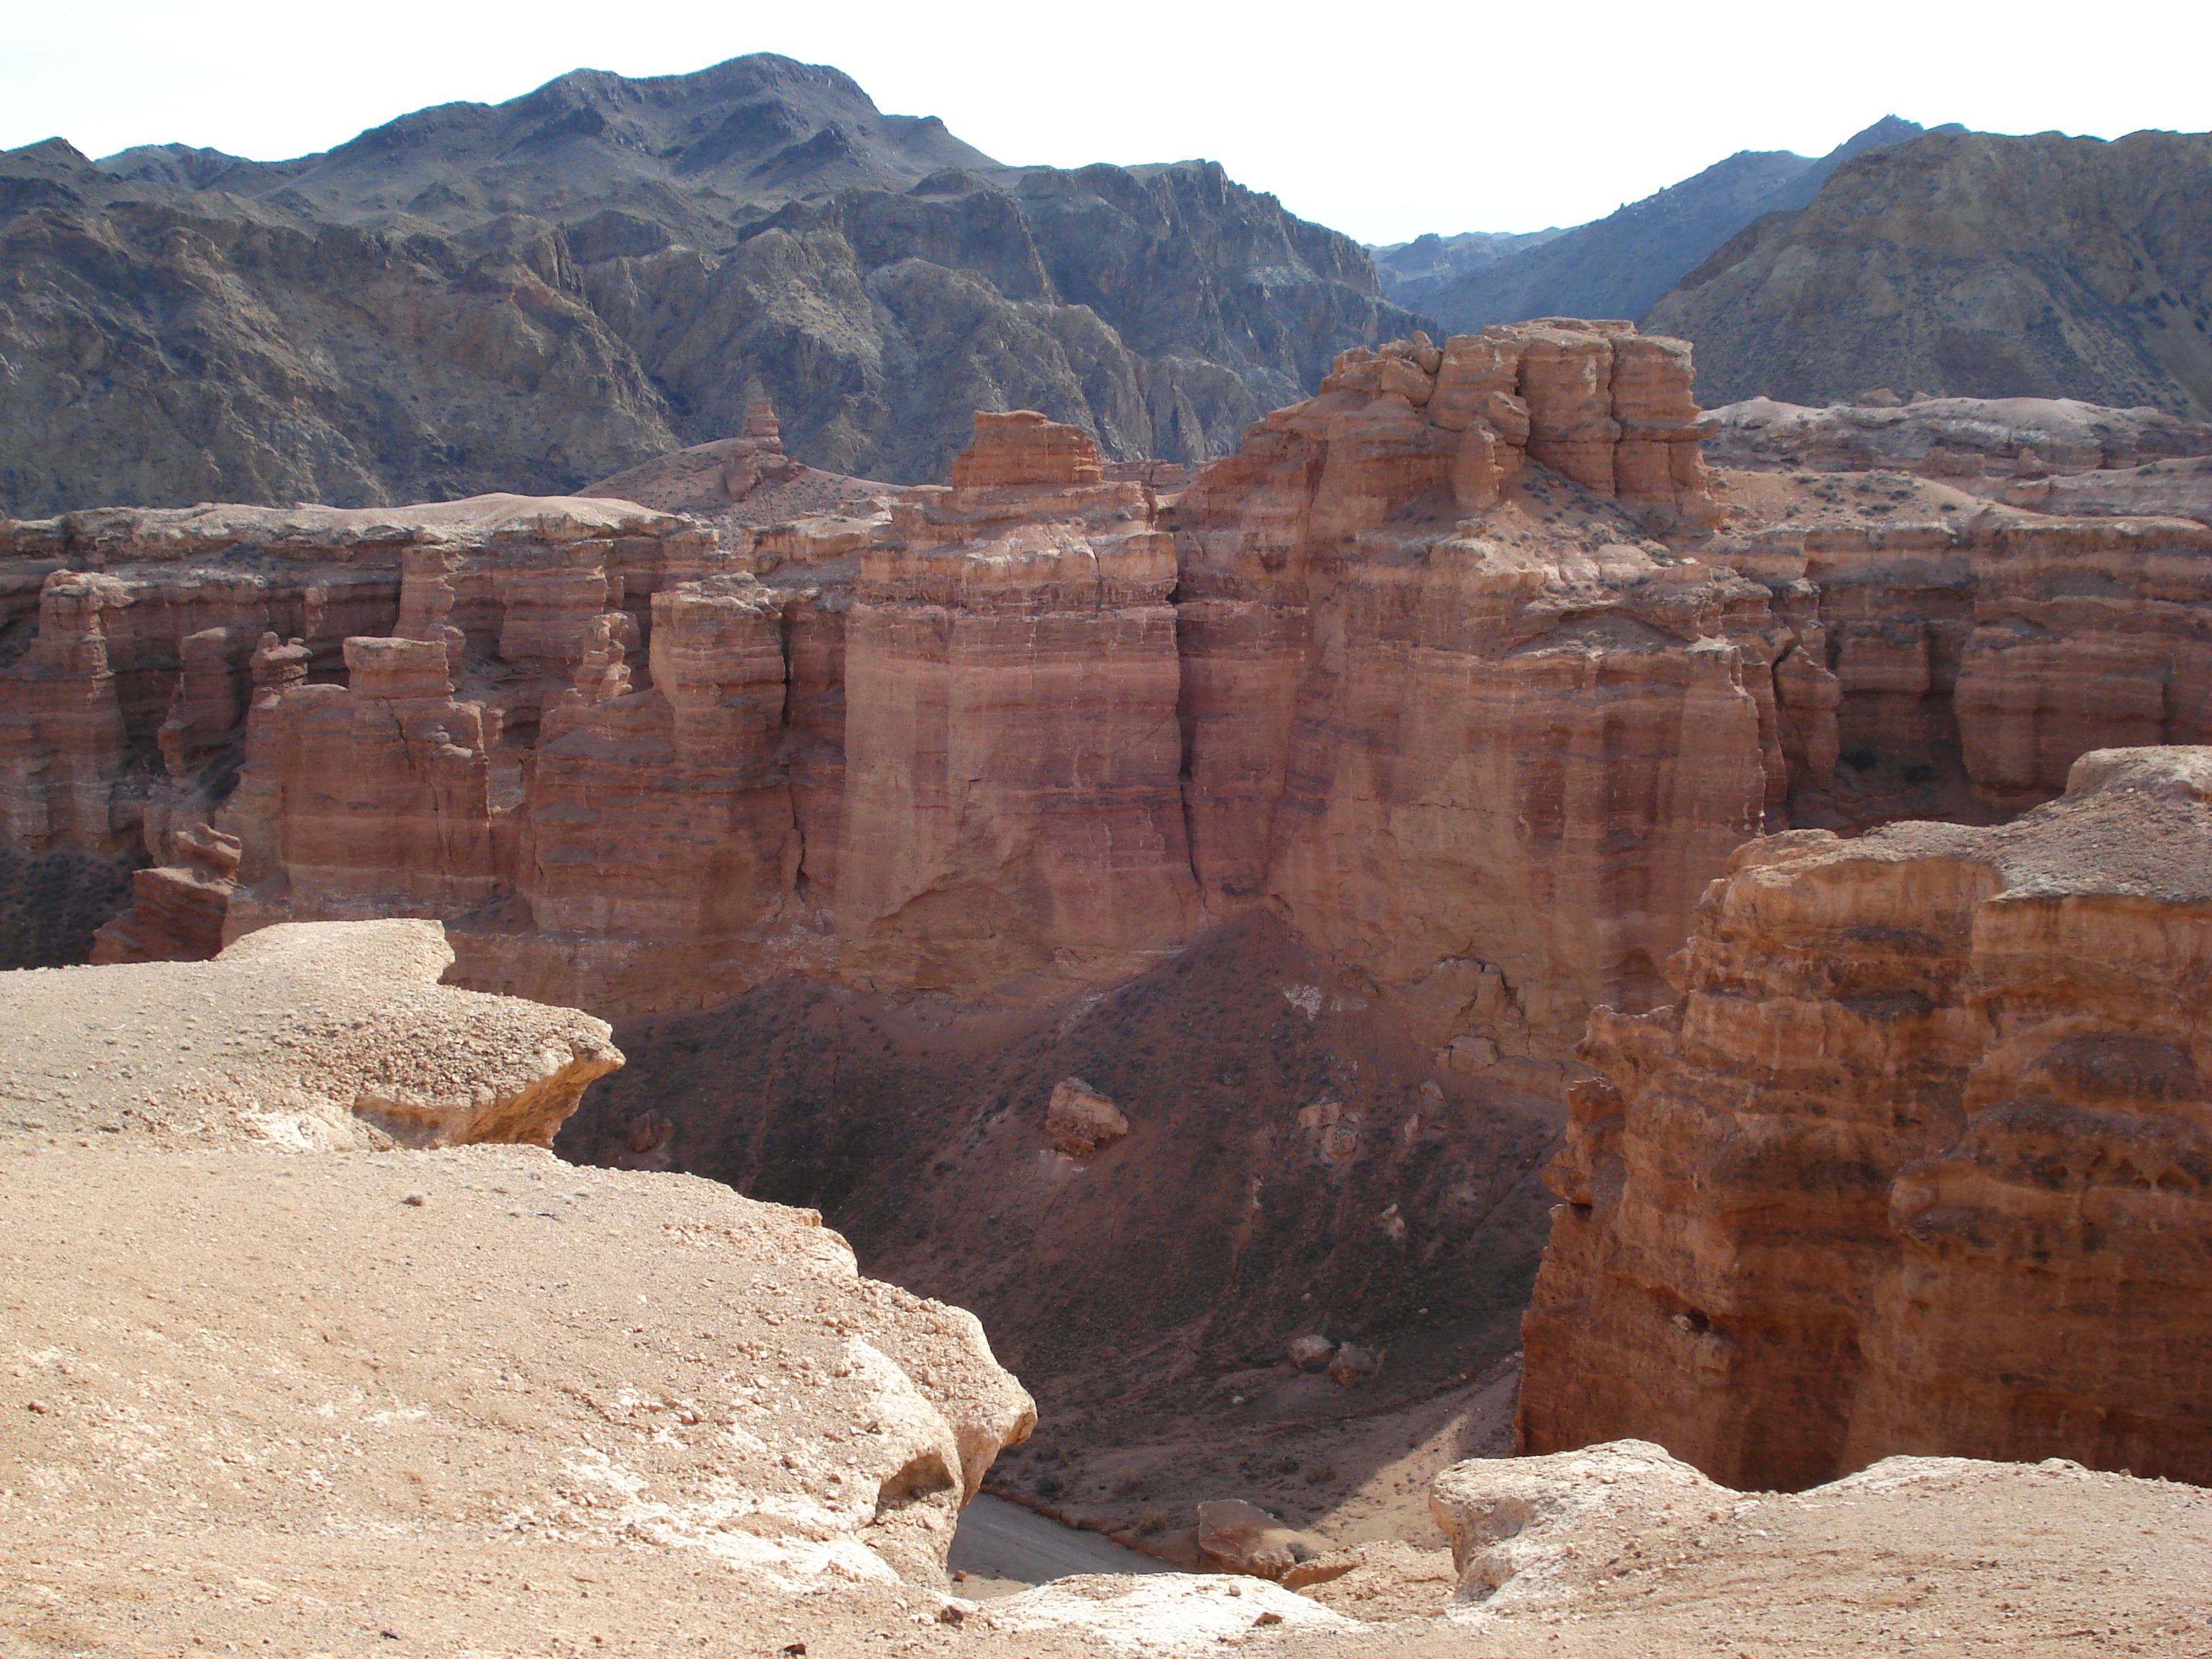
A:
{"x": 598, "y": 1374}
{"x": 1235, "y": 1536}
{"x": 1932, "y": 1098}
{"x": 1619, "y": 1547}
{"x": 312, "y": 1035}
{"x": 1079, "y": 1120}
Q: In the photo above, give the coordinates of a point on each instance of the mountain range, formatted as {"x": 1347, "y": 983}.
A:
{"x": 529, "y": 295}
{"x": 1617, "y": 266}
{"x": 1971, "y": 265}
{"x": 532, "y": 295}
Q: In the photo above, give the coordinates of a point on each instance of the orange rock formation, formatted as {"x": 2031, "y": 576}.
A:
{"x": 1922, "y": 1162}
{"x": 1410, "y": 668}
{"x": 1465, "y": 667}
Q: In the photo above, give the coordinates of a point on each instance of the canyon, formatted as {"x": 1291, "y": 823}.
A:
{"x": 267, "y": 1389}
{"x": 1229, "y": 886}
{"x": 763, "y": 884}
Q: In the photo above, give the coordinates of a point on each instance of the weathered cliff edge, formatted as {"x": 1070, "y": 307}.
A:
{"x": 325, "y": 1035}
{"x": 1921, "y": 1162}
{"x": 1619, "y": 1547}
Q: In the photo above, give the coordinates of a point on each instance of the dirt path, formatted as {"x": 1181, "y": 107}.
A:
{"x": 1002, "y": 1546}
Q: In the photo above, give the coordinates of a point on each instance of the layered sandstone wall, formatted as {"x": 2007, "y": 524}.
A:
{"x": 1410, "y": 669}
{"x": 1013, "y": 799}
{"x": 1467, "y": 668}
{"x": 1922, "y": 1162}
{"x": 1965, "y": 652}
{"x": 1461, "y": 716}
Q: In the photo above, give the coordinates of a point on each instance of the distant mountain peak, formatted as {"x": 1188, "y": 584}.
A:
{"x": 1619, "y": 265}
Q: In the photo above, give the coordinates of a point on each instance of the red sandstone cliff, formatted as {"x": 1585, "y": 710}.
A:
{"x": 1460, "y": 715}
{"x": 1411, "y": 669}
{"x": 1467, "y": 668}
{"x": 1922, "y": 1162}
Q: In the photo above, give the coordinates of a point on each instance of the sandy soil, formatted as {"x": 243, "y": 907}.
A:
{"x": 477, "y": 1398}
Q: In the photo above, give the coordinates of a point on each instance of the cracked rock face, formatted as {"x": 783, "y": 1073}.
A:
{"x": 1921, "y": 1161}
{"x": 313, "y": 1034}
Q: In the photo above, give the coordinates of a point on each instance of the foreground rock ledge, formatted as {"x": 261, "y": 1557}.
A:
{"x": 481, "y": 1360}
{"x": 1621, "y": 1548}
{"x": 314, "y": 1034}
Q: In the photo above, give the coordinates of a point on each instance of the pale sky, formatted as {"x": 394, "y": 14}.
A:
{"x": 1382, "y": 122}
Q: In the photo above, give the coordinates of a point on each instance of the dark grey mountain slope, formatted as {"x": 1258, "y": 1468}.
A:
{"x": 529, "y": 295}
{"x": 1972, "y": 265}
{"x": 1616, "y": 266}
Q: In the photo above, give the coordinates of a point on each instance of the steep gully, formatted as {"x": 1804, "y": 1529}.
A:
{"x": 1306, "y": 815}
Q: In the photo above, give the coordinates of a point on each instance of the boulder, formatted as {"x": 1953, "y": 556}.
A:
{"x": 1079, "y": 1120}
{"x": 1310, "y": 1353}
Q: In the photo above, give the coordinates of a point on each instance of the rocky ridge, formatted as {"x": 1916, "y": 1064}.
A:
{"x": 1971, "y": 265}
{"x": 1617, "y": 266}
{"x": 322, "y": 1034}
{"x": 232, "y": 1332}
{"x": 1958, "y": 440}
{"x": 1410, "y": 270}
{"x": 527, "y": 296}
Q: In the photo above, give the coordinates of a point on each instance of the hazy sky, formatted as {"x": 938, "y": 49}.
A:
{"x": 1382, "y": 121}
